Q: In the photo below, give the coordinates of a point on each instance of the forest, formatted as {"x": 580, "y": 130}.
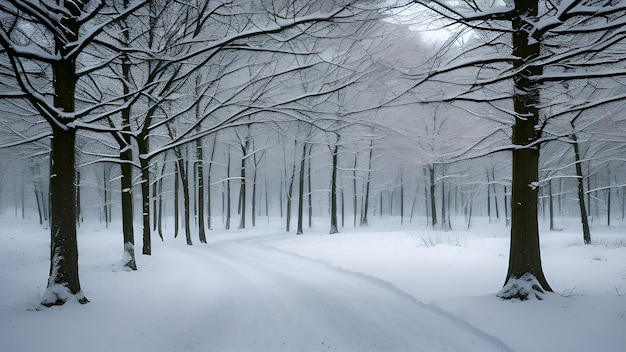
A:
{"x": 166, "y": 118}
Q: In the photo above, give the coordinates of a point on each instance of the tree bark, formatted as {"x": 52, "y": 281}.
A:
{"x": 433, "y": 203}
{"x": 354, "y": 193}
{"x": 184, "y": 179}
{"x": 366, "y": 200}
{"x": 176, "y": 200}
{"x": 525, "y": 255}
{"x": 63, "y": 280}
{"x": 242, "y": 189}
{"x": 128, "y": 258}
{"x": 290, "y": 194}
{"x": 63, "y": 277}
{"x": 551, "y": 205}
{"x": 300, "y": 229}
{"x": 333, "y": 193}
{"x": 126, "y": 156}
{"x": 208, "y": 185}
{"x": 200, "y": 170}
{"x": 227, "y": 194}
{"x": 310, "y": 191}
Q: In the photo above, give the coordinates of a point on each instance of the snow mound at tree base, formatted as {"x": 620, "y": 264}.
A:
{"x": 523, "y": 288}
{"x": 57, "y": 295}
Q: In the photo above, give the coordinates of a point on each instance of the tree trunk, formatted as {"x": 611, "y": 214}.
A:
{"x": 63, "y": 281}
{"x": 155, "y": 198}
{"x": 253, "y": 209}
{"x": 507, "y": 220}
{"x": 366, "y": 201}
{"x": 310, "y": 191}
{"x": 208, "y": 185}
{"x": 145, "y": 201}
{"x": 128, "y": 258}
{"x": 300, "y": 229}
{"x": 79, "y": 215}
{"x": 551, "y": 205}
{"x": 581, "y": 192}
{"x": 525, "y": 271}
{"x": 242, "y": 189}
{"x": 333, "y": 193}
{"x": 608, "y": 197}
{"x": 160, "y": 205}
{"x": 63, "y": 278}
{"x": 445, "y": 225}
{"x": 433, "y": 203}
{"x": 494, "y": 192}
{"x": 184, "y": 179}
{"x": 227, "y": 194}
{"x": 401, "y": 199}
{"x": 126, "y": 157}
{"x": 200, "y": 170}
{"x": 488, "y": 196}
{"x": 104, "y": 196}
{"x": 354, "y": 193}
{"x": 343, "y": 209}
{"x": 289, "y": 195}
{"x": 176, "y": 200}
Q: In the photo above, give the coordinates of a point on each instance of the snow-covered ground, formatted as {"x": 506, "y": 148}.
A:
{"x": 381, "y": 288}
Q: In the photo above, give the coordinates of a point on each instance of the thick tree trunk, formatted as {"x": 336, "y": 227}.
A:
{"x": 525, "y": 277}
{"x": 63, "y": 281}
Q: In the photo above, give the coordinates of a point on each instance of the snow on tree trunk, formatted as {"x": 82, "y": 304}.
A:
{"x": 63, "y": 281}
{"x": 525, "y": 256}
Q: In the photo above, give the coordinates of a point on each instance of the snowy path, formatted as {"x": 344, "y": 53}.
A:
{"x": 238, "y": 294}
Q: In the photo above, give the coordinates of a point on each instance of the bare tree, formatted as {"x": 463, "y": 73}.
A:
{"x": 530, "y": 50}
{"x": 51, "y": 49}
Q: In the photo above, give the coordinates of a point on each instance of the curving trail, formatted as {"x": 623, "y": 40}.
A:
{"x": 236, "y": 293}
{"x": 278, "y": 301}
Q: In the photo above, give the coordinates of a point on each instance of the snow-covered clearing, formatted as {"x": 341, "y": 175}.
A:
{"x": 382, "y": 288}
